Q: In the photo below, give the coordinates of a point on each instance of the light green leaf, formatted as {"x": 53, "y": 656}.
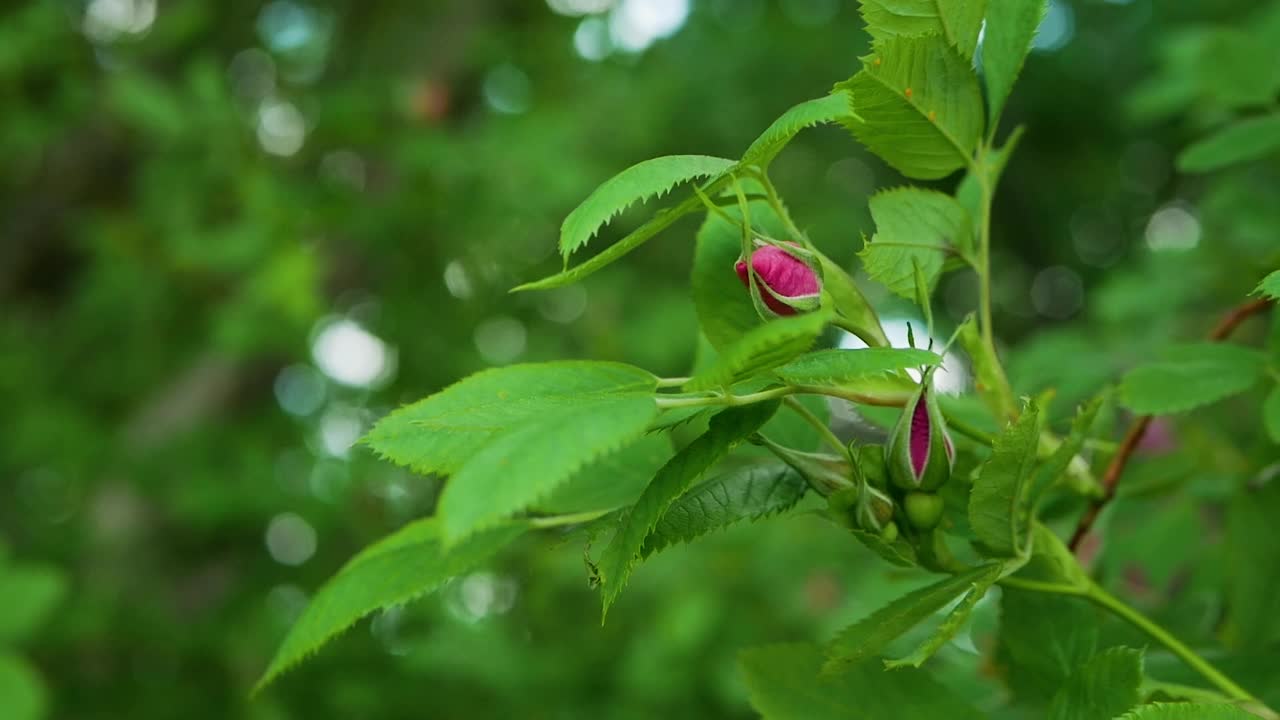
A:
{"x": 724, "y": 306}
{"x": 1253, "y": 566}
{"x": 727, "y": 429}
{"x": 956, "y": 20}
{"x": 1051, "y": 561}
{"x": 22, "y": 693}
{"x": 660, "y": 221}
{"x": 1271, "y": 413}
{"x": 838, "y": 367}
{"x": 748, "y": 493}
{"x": 1011, "y": 26}
{"x": 829, "y": 109}
{"x": 840, "y": 292}
{"x": 784, "y": 684}
{"x": 918, "y": 106}
{"x": 999, "y": 497}
{"x": 991, "y": 383}
{"x": 914, "y": 228}
{"x": 637, "y": 183}
{"x": 522, "y": 466}
{"x": 1241, "y": 141}
{"x": 401, "y": 567}
{"x": 1187, "y": 711}
{"x": 951, "y": 624}
{"x": 441, "y": 432}
{"x": 762, "y": 348}
{"x": 1190, "y": 376}
{"x": 1103, "y": 688}
{"x": 1270, "y": 286}
{"x": 613, "y": 481}
{"x": 871, "y": 635}
{"x": 31, "y": 593}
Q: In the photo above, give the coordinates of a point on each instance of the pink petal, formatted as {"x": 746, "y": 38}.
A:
{"x": 919, "y": 436}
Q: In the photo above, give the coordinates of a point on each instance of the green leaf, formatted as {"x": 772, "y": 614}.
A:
{"x": 31, "y": 593}
{"x": 1270, "y": 286}
{"x": 660, "y": 221}
{"x": 991, "y": 383}
{"x": 1271, "y": 413}
{"x": 914, "y": 228}
{"x": 1052, "y": 562}
{"x": 1103, "y": 688}
{"x": 611, "y": 482}
{"x": 727, "y": 429}
{"x": 724, "y": 307}
{"x": 952, "y": 623}
{"x": 929, "y": 132}
{"x": 871, "y": 635}
{"x": 1043, "y": 639}
{"x": 637, "y": 183}
{"x": 829, "y": 109}
{"x": 1241, "y": 141}
{"x": 999, "y": 497}
{"x": 1252, "y": 574}
{"x": 838, "y": 367}
{"x": 956, "y": 20}
{"x": 991, "y": 166}
{"x": 1061, "y": 459}
{"x": 784, "y": 683}
{"x": 747, "y": 493}
{"x": 401, "y": 567}
{"x": 22, "y": 693}
{"x": 923, "y": 291}
{"x": 1187, "y": 711}
{"x": 1011, "y": 26}
{"x": 762, "y": 348}
{"x": 849, "y": 302}
{"x": 898, "y": 553}
{"x": 523, "y": 465}
{"x": 440, "y": 433}
{"x": 1190, "y": 376}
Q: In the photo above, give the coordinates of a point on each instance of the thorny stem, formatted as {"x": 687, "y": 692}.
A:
{"x": 1111, "y": 478}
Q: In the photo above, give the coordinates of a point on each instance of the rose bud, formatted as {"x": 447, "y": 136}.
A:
{"x": 787, "y": 278}
{"x": 919, "y": 454}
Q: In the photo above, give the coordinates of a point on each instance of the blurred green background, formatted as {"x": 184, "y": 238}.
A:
{"x": 233, "y": 234}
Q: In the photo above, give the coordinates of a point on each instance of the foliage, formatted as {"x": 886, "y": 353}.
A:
{"x": 235, "y": 241}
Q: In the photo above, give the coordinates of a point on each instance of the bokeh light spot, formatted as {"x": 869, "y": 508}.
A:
{"x": 290, "y": 539}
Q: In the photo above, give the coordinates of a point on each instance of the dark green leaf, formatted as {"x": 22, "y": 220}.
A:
{"x": 829, "y": 109}
{"x": 871, "y": 635}
{"x": 951, "y": 624}
{"x": 989, "y": 377}
{"x": 837, "y": 367}
{"x": 956, "y": 20}
{"x": 849, "y": 302}
{"x": 747, "y": 493}
{"x": 1271, "y": 413}
{"x": 613, "y": 481}
{"x": 784, "y": 684}
{"x": 1270, "y": 286}
{"x": 1043, "y": 639}
{"x": 727, "y": 429}
{"x": 1187, "y": 711}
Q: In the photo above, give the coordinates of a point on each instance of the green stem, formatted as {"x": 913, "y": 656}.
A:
{"x": 984, "y": 259}
{"x": 968, "y": 430}
{"x": 823, "y": 429}
{"x": 672, "y": 382}
{"x": 1110, "y": 603}
{"x": 667, "y": 402}
{"x": 551, "y": 521}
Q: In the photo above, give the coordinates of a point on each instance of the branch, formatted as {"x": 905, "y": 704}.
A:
{"x": 1111, "y": 478}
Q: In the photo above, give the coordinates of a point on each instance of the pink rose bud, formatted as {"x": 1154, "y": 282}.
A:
{"x": 788, "y": 284}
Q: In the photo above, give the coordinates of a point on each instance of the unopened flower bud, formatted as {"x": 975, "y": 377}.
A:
{"x": 919, "y": 454}
{"x": 787, "y": 277}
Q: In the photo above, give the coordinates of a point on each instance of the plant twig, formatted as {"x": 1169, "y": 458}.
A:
{"x": 1111, "y": 478}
